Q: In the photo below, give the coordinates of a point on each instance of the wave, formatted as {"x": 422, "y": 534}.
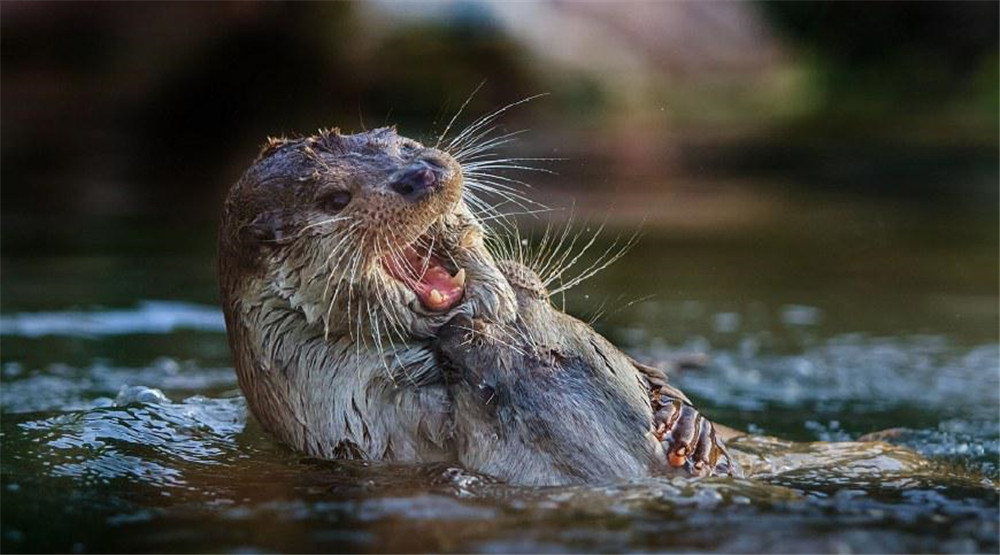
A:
{"x": 149, "y": 317}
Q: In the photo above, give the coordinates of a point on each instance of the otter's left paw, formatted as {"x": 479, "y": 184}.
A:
{"x": 689, "y": 439}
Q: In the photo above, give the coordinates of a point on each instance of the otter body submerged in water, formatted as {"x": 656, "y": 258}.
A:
{"x": 546, "y": 400}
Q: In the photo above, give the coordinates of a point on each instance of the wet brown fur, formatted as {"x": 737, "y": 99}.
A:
{"x": 328, "y": 348}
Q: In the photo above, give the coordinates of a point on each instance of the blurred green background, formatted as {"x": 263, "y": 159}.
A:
{"x": 707, "y": 117}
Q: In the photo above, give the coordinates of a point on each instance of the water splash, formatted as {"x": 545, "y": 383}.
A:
{"x": 880, "y": 373}
{"x": 61, "y": 387}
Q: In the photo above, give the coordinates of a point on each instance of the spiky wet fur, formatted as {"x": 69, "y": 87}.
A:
{"x": 328, "y": 346}
{"x": 546, "y": 400}
{"x": 330, "y": 351}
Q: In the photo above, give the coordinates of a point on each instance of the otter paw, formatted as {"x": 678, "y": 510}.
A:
{"x": 689, "y": 439}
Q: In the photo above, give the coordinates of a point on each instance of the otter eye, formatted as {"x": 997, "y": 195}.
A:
{"x": 334, "y": 201}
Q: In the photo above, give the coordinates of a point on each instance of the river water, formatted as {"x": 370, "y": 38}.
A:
{"x": 123, "y": 428}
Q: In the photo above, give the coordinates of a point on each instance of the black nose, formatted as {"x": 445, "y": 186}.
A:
{"x": 416, "y": 183}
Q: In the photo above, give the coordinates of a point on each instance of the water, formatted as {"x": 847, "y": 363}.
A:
{"x": 123, "y": 428}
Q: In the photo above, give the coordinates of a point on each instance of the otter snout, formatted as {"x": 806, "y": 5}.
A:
{"x": 417, "y": 182}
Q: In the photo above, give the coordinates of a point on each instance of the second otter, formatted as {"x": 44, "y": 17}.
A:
{"x": 547, "y": 400}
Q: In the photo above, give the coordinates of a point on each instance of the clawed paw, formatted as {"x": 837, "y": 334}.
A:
{"x": 688, "y": 439}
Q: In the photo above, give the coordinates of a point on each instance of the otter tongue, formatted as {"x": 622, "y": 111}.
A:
{"x": 437, "y": 289}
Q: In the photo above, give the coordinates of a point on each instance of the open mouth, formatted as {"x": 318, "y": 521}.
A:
{"x": 429, "y": 277}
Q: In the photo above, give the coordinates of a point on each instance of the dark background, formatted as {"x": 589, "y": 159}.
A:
{"x": 149, "y": 111}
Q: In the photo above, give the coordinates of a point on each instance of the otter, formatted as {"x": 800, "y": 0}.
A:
{"x": 339, "y": 255}
{"x": 546, "y": 400}
{"x": 340, "y": 258}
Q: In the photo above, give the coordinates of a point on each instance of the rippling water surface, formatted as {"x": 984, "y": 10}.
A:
{"x": 123, "y": 428}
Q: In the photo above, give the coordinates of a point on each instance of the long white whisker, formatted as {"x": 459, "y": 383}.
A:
{"x": 458, "y": 113}
{"x": 488, "y": 118}
{"x": 607, "y": 258}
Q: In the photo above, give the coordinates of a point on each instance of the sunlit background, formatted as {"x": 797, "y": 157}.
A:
{"x": 816, "y": 186}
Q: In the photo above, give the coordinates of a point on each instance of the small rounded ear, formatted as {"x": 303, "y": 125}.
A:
{"x": 268, "y": 228}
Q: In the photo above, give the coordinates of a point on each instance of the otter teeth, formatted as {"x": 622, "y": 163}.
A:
{"x": 458, "y": 280}
{"x": 435, "y": 297}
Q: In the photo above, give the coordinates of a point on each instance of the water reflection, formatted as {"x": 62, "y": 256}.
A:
{"x": 158, "y": 473}
{"x": 196, "y": 473}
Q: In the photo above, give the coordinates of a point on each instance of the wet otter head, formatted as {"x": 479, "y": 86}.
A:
{"x": 357, "y": 232}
